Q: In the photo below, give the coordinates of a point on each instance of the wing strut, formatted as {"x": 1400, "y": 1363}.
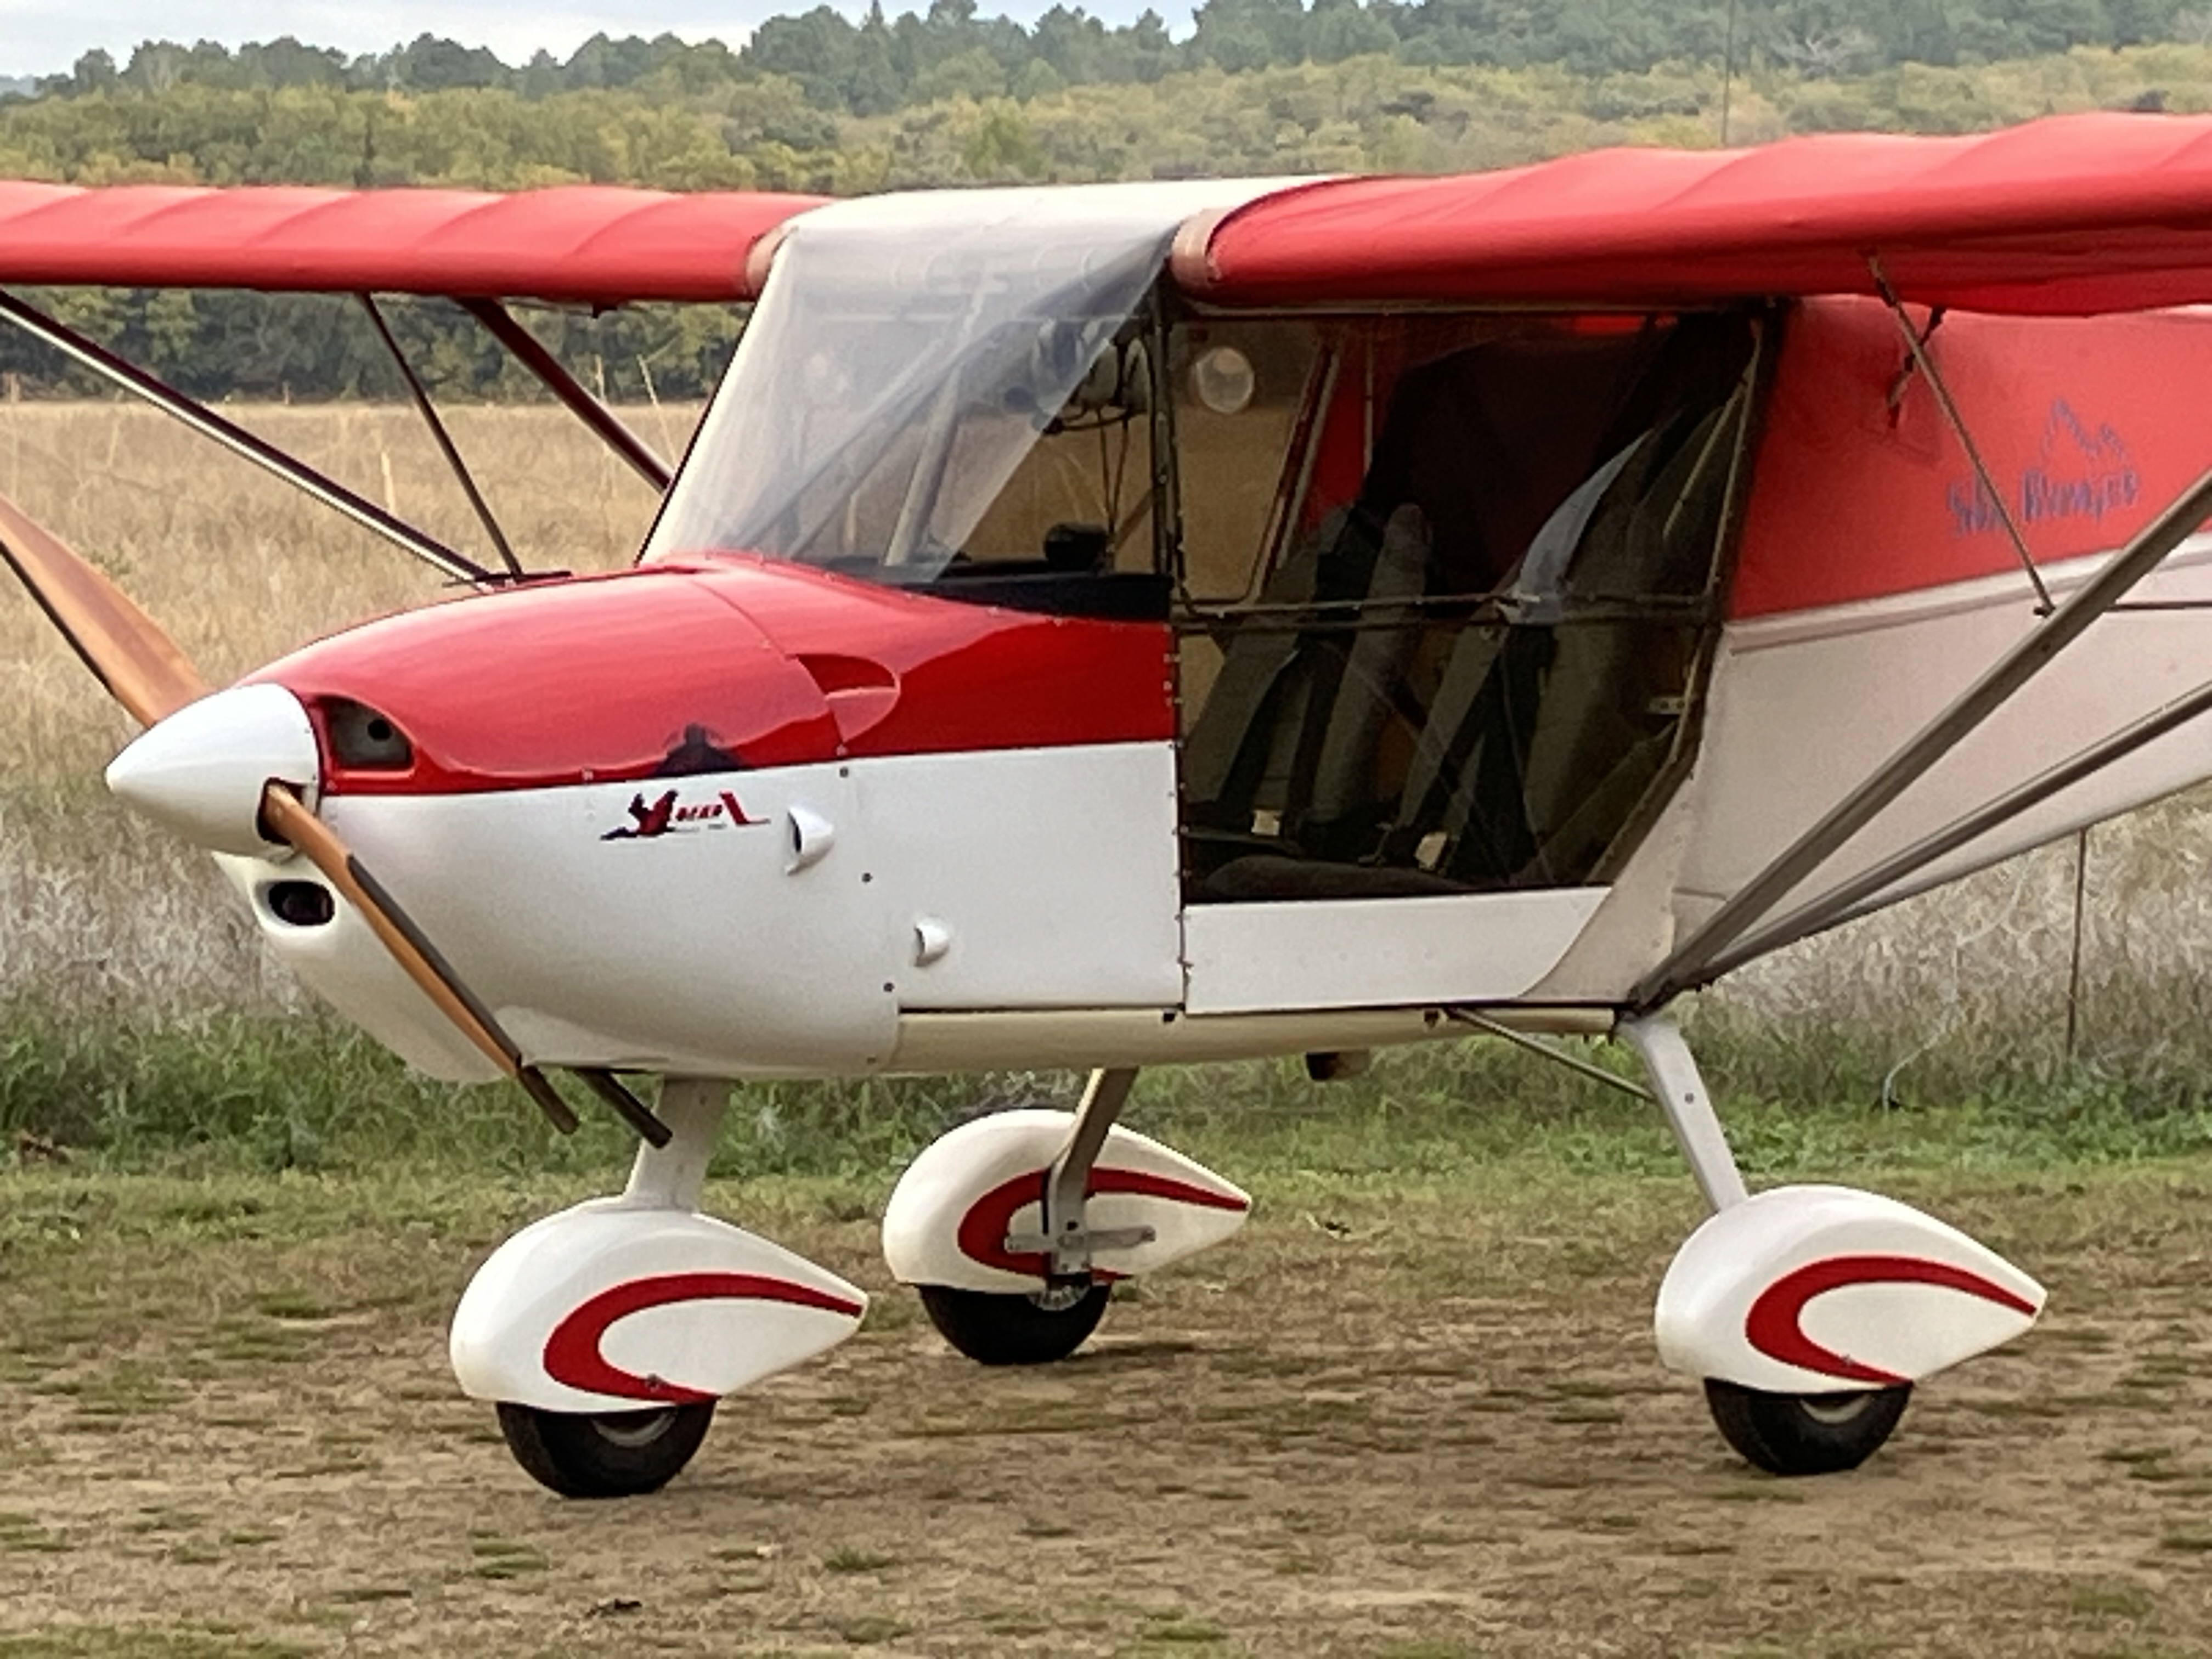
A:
{"x": 240, "y": 442}
{"x": 1917, "y": 343}
{"x": 1849, "y": 899}
{"x": 428, "y": 410}
{"x": 1698, "y": 960}
{"x": 561, "y": 384}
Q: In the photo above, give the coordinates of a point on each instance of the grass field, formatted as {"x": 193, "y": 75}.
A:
{"x": 1414, "y": 1412}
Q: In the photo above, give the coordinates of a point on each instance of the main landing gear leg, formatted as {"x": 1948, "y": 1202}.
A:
{"x": 595, "y": 1402}
{"x": 1682, "y": 1096}
{"x": 1741, "y": 1304}
{"x": 1783, "y": 1433}
{"x": 1004, "y": 1293}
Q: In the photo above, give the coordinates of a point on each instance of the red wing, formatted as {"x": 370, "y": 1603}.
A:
{"x": 585, "y": 244}
{"x": 2069, "y": 215}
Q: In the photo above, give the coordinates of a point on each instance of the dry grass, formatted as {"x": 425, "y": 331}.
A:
{"x": 240, "y": 567}
{"x": 1974, "y": 976}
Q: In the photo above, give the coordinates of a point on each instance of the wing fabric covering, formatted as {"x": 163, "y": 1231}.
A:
{"x": 585, "y": 244}
{"x": 2070, "y": 215}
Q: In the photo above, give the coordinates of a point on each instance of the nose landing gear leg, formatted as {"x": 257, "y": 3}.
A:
{"x": 606, "y": 1334}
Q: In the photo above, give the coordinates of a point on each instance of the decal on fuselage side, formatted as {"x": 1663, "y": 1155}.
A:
{"x": 671, "y": 815}
{"x": 2082, "y": 473}
{"x": 2083, "y": 424}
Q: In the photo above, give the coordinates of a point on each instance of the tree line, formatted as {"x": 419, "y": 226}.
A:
{"x": 880, "y": 63}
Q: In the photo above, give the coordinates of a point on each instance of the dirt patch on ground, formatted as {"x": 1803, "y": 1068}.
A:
{"x": 1408, "y": 1425}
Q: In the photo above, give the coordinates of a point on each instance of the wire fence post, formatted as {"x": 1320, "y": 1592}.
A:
{"x": 2074, "y": 959}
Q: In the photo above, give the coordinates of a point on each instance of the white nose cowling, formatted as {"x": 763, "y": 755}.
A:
{"x": 201, "y": 771}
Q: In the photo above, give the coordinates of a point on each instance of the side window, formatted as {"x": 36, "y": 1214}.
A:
{"x": 1250, "y": 397}
{"x": 1245, "y": 392}
{"x": 1462, "y": 659}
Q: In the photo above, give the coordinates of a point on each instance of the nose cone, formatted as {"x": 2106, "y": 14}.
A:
{"x": 201, "y": 771}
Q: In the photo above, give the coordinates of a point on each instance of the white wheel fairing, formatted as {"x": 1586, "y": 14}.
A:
{"x": 1811, "y": 1290}
{"x": 951, "y": 1213}
{"x": 611, "y": 1307}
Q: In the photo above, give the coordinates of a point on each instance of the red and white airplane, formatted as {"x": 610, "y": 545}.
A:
{"x": 1121, "y": 625}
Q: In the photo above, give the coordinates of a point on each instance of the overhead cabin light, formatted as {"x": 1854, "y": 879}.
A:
{"x": 1223, "y": 379}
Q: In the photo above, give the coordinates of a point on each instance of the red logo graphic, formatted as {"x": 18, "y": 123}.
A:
{"x": 671, "y": 815}
{"x": 1773, "y": 1325}
{"x": 572, "y": 1352}
{"x": 983, "y": 1230}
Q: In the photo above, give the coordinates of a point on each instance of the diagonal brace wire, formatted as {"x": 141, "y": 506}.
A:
{"x": 1919, "y": 347}
{"x": 447, "y": 446}
{"x": 1551, "y": 1051}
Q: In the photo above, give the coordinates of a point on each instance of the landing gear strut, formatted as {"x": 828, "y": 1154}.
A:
{"x": 1036, "y": 1328}
{"x": 1782, "y": 1433}
{"x": 605, "y": 1334}
{"x": 1014, "y": 1227}
{"x": 1810, "y": 1312}
{"x": 628, "y": 1454}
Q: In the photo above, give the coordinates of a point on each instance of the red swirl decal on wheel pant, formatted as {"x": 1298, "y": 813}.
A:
{"x": 1775, "y": 1324}
{"x": 572, "y": 1355}
{"x": 983, "y": 1230}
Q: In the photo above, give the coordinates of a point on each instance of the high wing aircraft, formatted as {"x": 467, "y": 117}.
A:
{"x": 1113, "y": 626}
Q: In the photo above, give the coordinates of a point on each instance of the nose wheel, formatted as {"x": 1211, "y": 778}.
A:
{"x": 604, "y": 1454}
{"x": 1805, "y": 1433}
{"x": 1014, "y": 1328}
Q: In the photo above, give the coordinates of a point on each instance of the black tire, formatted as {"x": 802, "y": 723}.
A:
{"x": 1805, "y": 1433}
{"x": 1015, "y": 1328}
{"x": 605, "y": 1453}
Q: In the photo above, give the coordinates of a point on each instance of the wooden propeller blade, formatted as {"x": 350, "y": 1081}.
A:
{"x": 143, "y": 670}
{"x": 125, "y": 649}
{"x": 293, "y": 824}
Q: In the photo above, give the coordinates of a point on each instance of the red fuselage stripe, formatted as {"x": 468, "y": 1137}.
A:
{"x": 982, "y": 1233}
{"x": 1775, "y": 1326}
{"x": 573, "y": 1354}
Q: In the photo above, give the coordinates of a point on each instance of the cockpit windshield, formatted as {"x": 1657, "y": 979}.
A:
{"x": 907, "y": 355}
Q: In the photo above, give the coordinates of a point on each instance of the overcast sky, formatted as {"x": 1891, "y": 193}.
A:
{"x": 40, "y": 37}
